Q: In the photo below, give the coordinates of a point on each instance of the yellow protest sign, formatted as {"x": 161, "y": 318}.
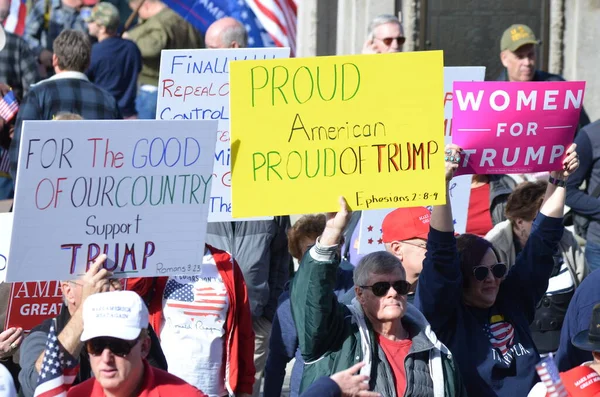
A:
{"x": 305, "y": 131}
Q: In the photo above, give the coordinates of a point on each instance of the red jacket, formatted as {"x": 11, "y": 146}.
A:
{"x": 239, "y": 360}
{"x": 157, "y": 383}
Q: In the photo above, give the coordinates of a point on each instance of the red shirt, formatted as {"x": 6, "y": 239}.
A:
{"x": 479, "y": 218}
{"x": 157, "y": 383}
{"x": 395, "y": 352}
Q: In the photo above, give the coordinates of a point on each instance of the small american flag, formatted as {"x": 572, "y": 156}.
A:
{"x": 550, "y": 377}
{"x": 59, "y": 369}
{"x": 500, "y": 333}
{"x": 196, "y": 301}
{"x": 8, "y": 106}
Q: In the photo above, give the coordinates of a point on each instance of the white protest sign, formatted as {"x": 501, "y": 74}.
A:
{"x": 137, "y": 191}
{"x": 6, "y": 223}
{"x": 460, "y": 187}
{"x": 194, "y": 85}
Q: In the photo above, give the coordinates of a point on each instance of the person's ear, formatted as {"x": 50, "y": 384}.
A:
{"x": 146, "y": 343}
{"x": 54, "y": 61}
{"x": 67, "y": 291}
{"x": 396, "y": 249}
{"x": 359, "y": 293}
{"x": 504, "y": 58}
{"x": 519, "y": 223}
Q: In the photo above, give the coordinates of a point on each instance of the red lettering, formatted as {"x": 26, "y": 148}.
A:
{"x": 166, "y": 89}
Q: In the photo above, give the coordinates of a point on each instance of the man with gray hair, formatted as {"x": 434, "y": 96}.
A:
{"x": 402, "y": 355}
{"x": 385, "y": 35}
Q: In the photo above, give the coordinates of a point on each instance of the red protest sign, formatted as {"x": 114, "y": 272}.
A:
{"x": 33, "y": 302}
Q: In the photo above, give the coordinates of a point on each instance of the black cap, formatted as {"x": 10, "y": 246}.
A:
{"x": 590, "y": 340}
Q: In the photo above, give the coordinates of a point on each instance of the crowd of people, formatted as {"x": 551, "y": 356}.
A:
{"x": 431, "y": 314}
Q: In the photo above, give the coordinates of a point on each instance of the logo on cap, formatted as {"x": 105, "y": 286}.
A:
{"x": 518, "y": 33}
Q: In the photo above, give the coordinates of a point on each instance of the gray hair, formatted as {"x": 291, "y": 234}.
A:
{"x": 380, "y": 262}
{"x": 382, "y": 20}
{"x": 235, "y": 33}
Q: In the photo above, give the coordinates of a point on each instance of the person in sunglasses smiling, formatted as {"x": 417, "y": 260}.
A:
{"x": 402, "y": 355}
{"x": 115, "y": 333}
{"x": 477, "y": 308}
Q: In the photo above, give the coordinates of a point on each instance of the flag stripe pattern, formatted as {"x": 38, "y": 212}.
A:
{"x": 8, "y": 106}
{"x": 59, "y": 369}
{"x": 15, "y": 23}
{"x": 279, "y": 18}
{"x": 550, "y": 377}
{"x": 501, "y": 335}
{"x": 201, "y": 301}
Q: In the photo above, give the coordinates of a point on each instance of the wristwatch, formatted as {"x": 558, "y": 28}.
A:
{"x": 557, "y": 182}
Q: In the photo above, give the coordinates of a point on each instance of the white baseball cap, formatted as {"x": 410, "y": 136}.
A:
{"x": 118, "y": 314}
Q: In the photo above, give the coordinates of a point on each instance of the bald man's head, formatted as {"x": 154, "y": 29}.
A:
{"x": 226, "y": 33}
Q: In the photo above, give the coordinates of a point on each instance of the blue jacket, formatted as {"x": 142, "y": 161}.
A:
{"x": 283, "y": 344}
{"x": 577, "y": 319}
{"x": 493, "y": 347}
{"x": 582, "y": 201}
{"x": 115, "y": 66}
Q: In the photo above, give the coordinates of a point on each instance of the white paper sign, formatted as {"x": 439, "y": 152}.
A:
{"x": 6, "y": 223}
{"x": 135, "y": 190}
{"x": 194, "y": 85}
{"x": 460, "y": 187}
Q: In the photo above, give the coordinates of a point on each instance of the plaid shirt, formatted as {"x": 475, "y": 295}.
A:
{"x": 65, "y": 92}
{"x": 61, "y": 18}
{"x": 18, "y": 66}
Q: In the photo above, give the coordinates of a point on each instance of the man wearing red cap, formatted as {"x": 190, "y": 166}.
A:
{"x": 405, "y": 236}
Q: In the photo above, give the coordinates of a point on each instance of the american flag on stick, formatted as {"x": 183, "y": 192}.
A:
{"x": 8, "y": 106}
{"x": 550, "y": 377}
{"x": 59, "y": 369}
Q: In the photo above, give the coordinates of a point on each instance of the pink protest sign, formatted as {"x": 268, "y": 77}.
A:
{"x": 508, "y": 127}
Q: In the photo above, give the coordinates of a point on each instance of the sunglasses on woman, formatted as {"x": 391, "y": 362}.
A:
{"x": 118, "y": 347}
{"x": 498, "y": 270}
{"x": 381, "y": 288}
{"x": 388, "y": 40}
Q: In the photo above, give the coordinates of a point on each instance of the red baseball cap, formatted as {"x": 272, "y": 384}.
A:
{"x": 405, "y": 224}
{"x": 581, "y": 381}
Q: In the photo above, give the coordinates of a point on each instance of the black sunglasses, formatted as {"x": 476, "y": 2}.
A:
{"x": 402, "y": 287}
{"x": 118, "y": 347}
{"x": 388, "y": 40}
{"x": 498, "y": 270}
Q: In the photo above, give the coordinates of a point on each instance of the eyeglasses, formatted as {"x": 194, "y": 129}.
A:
{"x": 422, "y": 245}
{"x": 388, "y": 40}
{"x": 498, "y": 270}
{"x": 402, "y": 287}
{"x": 118, "y": 347}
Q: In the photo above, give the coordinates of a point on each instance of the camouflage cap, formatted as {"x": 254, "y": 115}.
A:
{"x": 517, "y": 36}
{"x": 105, "y": 14}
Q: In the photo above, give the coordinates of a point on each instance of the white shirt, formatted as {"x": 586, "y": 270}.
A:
{"x": 193, "y": 328}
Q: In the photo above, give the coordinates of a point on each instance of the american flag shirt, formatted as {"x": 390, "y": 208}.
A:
{"x": 193, "y": 327}
{"x": 502, "y": 336}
